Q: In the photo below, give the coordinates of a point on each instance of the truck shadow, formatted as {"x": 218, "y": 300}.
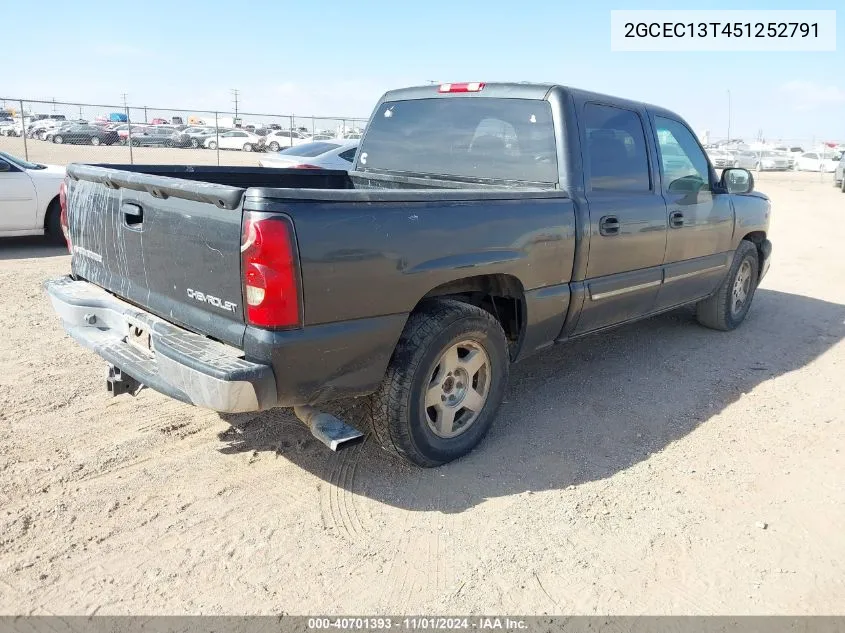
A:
{"x": 29, "y": 248}
{"x": 579, "y": 412}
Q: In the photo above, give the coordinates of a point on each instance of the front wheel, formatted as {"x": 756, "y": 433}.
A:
{"x": 247, "y": 147}
{"x": 95, "y": 140}
{"x": 727, "y": 308}
{"x": 58, "y": 140}
{"x": 195, "y": 143}
{"x": 274, "y": 146}
{"x": 212, "y": 145}
{"x": 443, "y": 385}
{"x": 842, "y": 184}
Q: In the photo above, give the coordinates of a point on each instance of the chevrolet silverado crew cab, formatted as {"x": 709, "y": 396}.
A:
{"x": 480, "y": 223}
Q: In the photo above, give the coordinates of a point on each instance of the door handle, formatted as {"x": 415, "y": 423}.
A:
{"x": 609, "y": 225}
{"x": 676, "y": 219}
{"x": 132, "y": 213}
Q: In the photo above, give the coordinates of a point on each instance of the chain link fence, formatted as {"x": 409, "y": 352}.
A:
{"x": 61, "y": 133}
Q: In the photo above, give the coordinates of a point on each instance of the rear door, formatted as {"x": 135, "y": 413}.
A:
{"x": 627, "y": 216}
{"x": 701, "y": 222}
{"x": 145, "y": 239}
{"x": 17, "y": 198}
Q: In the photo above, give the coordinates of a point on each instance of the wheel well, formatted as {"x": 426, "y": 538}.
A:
{"x": 500, "y": 295}
{"x": 52, "y": 207}
{"x": 757, "y": 238}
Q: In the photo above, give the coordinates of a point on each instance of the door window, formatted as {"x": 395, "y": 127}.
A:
{"x": 616, "y": 149}
{"x": 682, "y": 161}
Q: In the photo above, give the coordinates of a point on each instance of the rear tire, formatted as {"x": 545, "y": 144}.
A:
{"x": 727, "y": 308}
{"x": 247, "y": 147}
{"x": 195, "y": 143}
{"x": 95, "y": 140}
{"x": 212, "y": 145}
{"x": 431, "y": 414}
{"x": 53, "y": 224}
{"x": 274, "y": 146}
{"x": 58, "y": 140}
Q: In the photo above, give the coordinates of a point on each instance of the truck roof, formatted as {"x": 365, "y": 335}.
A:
{"x": 516, "y": 90}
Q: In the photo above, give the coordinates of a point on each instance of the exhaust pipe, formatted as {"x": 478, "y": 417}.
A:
{"x": 334, "y": 433}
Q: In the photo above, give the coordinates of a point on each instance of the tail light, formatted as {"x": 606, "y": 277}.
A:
{"x": 270, "y": 271}
{"x": 63, "y": 215}
{"x": 306, "y": 166}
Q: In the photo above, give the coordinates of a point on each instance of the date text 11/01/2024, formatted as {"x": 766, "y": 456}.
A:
{"x": 721, "y": 29}
{"x": 417, "y": 623}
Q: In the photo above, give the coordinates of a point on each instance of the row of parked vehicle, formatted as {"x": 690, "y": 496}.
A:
{"x": 250, "y": 138}
{"x": 777, "y": 159}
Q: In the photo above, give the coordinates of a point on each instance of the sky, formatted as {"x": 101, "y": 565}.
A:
{"x": 335, "y": 58}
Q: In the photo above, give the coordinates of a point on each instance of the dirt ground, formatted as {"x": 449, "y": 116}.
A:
{"x": 662, "y": 469}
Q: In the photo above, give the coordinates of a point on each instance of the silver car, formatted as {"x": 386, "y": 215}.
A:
{"x": 733, "y": 158}
{"x": 772, "y": 161}
{"x": 839, "y": 174}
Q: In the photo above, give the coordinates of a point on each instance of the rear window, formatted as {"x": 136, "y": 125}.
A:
{"x": 309, "y": 150}
{"x": 474, "y": 138}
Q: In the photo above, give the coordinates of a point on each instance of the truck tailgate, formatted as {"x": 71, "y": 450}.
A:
{"x": 167, "y": 245}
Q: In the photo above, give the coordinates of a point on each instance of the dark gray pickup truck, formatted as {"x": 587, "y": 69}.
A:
{"x": 481, "y": 223}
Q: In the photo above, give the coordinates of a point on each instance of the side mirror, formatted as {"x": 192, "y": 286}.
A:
{"x": 4, "y": 166}
{"x": 737, "y": 180}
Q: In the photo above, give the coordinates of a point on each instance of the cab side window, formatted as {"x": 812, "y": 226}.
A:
{"x": 616, "y": 149}
{"x": 682, "y": 161}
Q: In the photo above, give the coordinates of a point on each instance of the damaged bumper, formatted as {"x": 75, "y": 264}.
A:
{"x": 178, "y": 363}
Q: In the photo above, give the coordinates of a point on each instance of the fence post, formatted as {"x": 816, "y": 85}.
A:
{"x": 217, "y": 136}
{"x": 23, "y": 133}
{"x": 312, "y": 127}
{"x": 129, "y": 136}
{"x": 145, "y": 114}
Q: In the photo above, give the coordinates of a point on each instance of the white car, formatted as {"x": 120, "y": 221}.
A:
{"x": 29, "y": 198}
{"x": 11, "y": 128}
{"x": 334, "y": 154}
{"x": 237, "y": 139}
{"x": 278, "y": 139}
{"x": 816, "y": 161}
{"x": 772, "y": 161}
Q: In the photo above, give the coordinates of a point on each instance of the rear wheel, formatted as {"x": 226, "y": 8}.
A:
{"x": 95, "y": 140}
{"x": 443, "y": 385}
{"x": 58, "y": 139}
{"x": 53, "y": 224}
{"x": 727, "y": 308}
{"x": 212, "y": 145}
{"x": 135, "y": 143}
{"x": 274, "y": 146}
{"x": 842, "y": 184}
{"x": 195, "y": 143}
{"x": 247, "y": 147}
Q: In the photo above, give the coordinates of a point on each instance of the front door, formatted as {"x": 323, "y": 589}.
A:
{"x": 701, "y": 222}
{"x": 627, "y": 218}
{"x": 17, "y": 199}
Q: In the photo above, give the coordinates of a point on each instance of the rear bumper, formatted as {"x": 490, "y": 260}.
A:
{"x": 178, "y": 363}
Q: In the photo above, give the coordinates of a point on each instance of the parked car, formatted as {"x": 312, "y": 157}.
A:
{"x": 319, "y": 155}
{"x": 771, "y": 161}
{"x": 285, "y": 138}
{"x": 65, "y": 125}
{"x": 236, "y": 139}
{"x": 159, "y": 121}
{"x": 722, "y": 158}
{"x": 29, "y": 198}
{"x": 839, "y": 174}
{"x": 463, "y": 240}
{"x": 86, "y": 134}
{"x": 154, "y": 136}
{"x": 192, "y": 136}
{"x": 11, "y": 128}
{"x": 817, "y": 161}
{"x": 124, "y": 128}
